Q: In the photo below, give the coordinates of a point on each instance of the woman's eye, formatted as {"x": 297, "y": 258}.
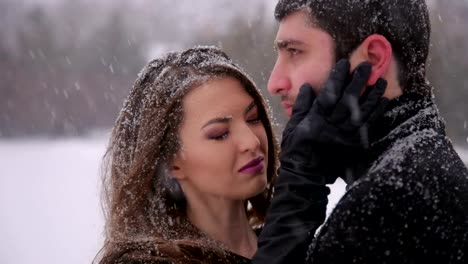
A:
{"x": 254, "y": 120}
{"x": 221, "y": 136}
{"x": 254, "y": 117}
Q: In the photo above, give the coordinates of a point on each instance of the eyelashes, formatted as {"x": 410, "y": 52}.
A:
{"x": 222, "y": 134}
{"x": 255, "y": 120}
{"x": 292, "y": 52}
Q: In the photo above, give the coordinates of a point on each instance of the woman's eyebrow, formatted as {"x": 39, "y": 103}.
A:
{"x": 251, "y": 106}
{"x": 225, "y": 119}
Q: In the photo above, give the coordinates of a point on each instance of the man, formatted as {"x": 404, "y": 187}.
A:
{"x": 407, "y": 197}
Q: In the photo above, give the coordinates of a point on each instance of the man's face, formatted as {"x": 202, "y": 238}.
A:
{"x": 305, "y": 55}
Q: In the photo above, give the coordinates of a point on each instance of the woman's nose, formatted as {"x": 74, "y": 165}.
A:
{"x": 249, "y": 141}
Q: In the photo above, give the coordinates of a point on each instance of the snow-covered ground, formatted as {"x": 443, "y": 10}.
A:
{"x": 49, "y": 200}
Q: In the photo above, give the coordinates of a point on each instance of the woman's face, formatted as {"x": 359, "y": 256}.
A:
{"x": 224, "y": 143}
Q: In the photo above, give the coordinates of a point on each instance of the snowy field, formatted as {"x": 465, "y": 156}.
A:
{"x": 49, "y": 200}
{"x": 49, "y": 203}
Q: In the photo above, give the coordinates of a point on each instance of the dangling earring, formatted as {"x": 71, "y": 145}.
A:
{"x": 174, "y": 190}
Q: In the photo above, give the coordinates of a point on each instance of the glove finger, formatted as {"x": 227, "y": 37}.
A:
{"x": 301, "y": 107}
{"x": 360, "y": 76}
{"x": 334, "y": 86}
{"x": 364, "y": 96}
{"x": 373, "y": 98}
{"x": 348, "y": 106}
{"x": 340, "y": 113}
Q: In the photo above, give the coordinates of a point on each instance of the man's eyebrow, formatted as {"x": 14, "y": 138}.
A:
{"x": 224, "y": 119}
{"x": 282, "y": 44}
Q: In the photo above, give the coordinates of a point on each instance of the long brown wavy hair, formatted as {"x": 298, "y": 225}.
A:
{"x": 143, "y": 220}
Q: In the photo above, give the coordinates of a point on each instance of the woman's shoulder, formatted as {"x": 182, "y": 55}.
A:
{"x": 168, "y": 253}
{"x": 135, "y": 253}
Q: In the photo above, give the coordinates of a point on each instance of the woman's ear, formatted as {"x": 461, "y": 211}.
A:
{"x": 176, "y": 167}
{"x": 377, "y": 50}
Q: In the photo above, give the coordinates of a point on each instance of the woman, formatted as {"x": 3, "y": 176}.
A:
{"x": 190, "y": 164}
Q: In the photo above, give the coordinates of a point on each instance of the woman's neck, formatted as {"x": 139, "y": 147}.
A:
{"x": 225, "y": 221}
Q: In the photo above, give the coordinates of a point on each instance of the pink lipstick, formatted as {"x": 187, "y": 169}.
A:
{"x": 254, "y": 166}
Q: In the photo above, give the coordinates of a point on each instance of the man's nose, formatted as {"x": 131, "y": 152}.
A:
{"x": 279, "y": 83}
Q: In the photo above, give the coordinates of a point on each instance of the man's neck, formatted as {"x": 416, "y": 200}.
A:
{"x": 225, "y": 221}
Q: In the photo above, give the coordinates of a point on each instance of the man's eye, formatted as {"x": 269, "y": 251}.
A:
{"x": 293, "y": 51}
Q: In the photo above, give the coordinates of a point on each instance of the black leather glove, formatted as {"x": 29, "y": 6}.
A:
{"x": 325, "y": 132}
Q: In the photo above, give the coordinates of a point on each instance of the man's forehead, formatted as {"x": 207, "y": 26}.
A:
{"x": 298, "y": 36}
{"x": 294, "y": 24}
{"x": 296, "y": 29}
{"x": 302, "y": 17}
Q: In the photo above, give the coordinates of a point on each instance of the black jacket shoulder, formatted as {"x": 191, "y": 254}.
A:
{"x": 411, "y": 203}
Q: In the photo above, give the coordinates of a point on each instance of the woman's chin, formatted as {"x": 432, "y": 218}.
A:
{"x": 259, "y": 185}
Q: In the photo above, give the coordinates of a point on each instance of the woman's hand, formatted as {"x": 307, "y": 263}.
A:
{"x": 322, "y": 131}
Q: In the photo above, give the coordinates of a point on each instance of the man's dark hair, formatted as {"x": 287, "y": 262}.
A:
{"x": 405, "y": 24}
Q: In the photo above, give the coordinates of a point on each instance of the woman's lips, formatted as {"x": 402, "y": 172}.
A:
{"x": 253, "y": 167}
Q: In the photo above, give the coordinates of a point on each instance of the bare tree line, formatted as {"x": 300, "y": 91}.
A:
{"x": 66, "y": 68}
{"x": 448, "y": 70}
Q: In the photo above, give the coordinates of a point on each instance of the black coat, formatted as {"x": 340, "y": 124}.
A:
{"x": 409, "y": 204}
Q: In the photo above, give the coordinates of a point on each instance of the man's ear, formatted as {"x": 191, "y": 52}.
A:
{"x": 377, "y": 50}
